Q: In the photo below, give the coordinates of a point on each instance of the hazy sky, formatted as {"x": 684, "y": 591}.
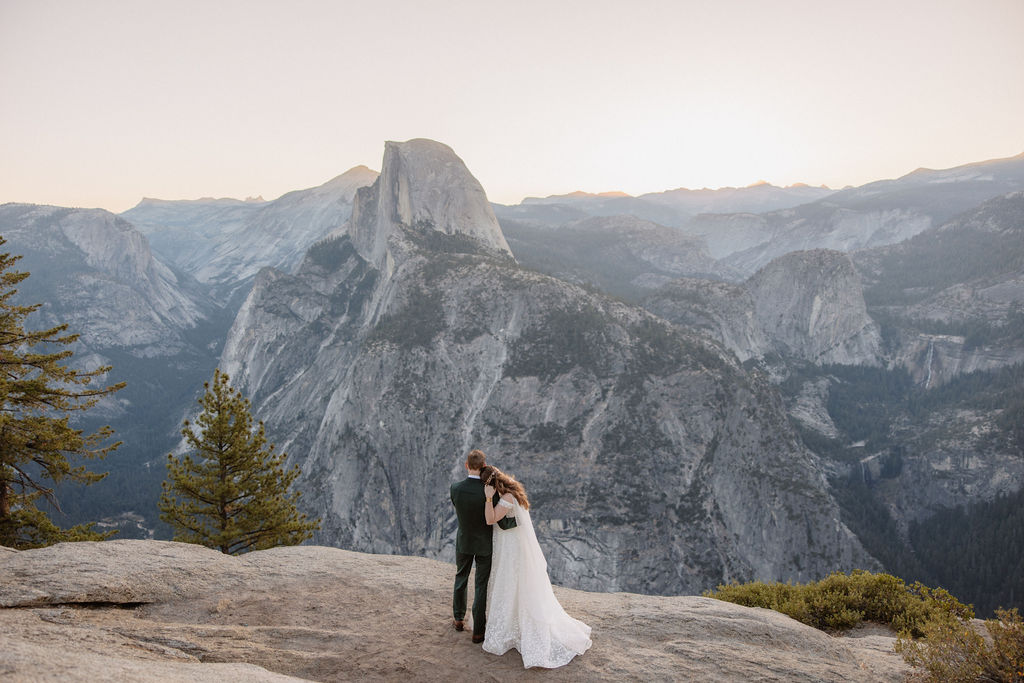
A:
{"x": 103, "y": 102}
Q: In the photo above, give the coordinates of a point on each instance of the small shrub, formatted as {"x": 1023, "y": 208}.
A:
{"x": 955, "y": 650}
{"x": 1006, "y": 662}
{"x": 949, "y": 651}
{"x": 841, "y": 601}
{"x": 937, "y": 636}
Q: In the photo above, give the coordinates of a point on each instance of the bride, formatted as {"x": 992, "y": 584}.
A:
{"x": 522, "y": 610}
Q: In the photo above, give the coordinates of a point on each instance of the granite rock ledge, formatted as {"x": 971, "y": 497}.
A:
{"x": 151, "y": 610}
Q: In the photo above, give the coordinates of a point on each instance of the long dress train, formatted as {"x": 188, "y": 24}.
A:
{"x": 522, "y": 610}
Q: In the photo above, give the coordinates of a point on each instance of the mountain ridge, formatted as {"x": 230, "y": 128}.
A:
{"x": 225, "y": 243}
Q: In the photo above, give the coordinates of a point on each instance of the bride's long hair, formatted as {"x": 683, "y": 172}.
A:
{"x": 504, "y": 483}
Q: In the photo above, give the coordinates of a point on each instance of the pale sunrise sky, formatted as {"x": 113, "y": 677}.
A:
{"x": 103, "y": 102}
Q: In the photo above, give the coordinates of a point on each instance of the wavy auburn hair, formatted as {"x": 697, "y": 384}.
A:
{"x": 504, "y": 483}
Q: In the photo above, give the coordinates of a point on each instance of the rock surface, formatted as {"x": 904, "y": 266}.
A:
{"x": 935, "y": 359}
{"x": 150, "y": 610}
{"x": 809, "y": 409}
{"x": 809, "y": 303}
{"x": 423, "y": 183}
{"x": 806, "y": 305}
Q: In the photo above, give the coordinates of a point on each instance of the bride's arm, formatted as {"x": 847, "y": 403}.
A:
{"x": 492, "y": 513}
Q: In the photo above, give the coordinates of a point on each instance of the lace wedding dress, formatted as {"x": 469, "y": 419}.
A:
{"x": 522, "y": 610}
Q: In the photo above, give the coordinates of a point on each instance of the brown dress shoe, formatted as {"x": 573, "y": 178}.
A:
{"x": 478, "y": 638}
{"x": 459, "y": 625}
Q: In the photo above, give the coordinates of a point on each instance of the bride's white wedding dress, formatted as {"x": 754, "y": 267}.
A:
{"x": 522, "y": 610}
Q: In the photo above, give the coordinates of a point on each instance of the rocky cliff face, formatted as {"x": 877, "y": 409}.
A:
{"x": 953, "y": 295}
{"x": 423, "y": 185}
{"x": 805, "y": 306}
{"x": 224, "y": 243}
{"x": 935, "y": 359}
{"x": 811, "y": 306}
{"x": 722, "y": 310}
{"x": 383, "y": 360}
{"x": 97, "y": 274}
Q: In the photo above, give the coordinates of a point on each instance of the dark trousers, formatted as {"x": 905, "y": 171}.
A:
{"x": 463, "y": 563}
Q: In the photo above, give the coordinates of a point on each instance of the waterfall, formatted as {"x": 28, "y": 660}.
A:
{"x": 928, "y": 362}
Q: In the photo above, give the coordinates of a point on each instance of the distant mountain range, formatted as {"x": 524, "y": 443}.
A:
{"x": 755, "y": 198}
{"x": 745, "y": 228}
{"x": 817, "y": 379}
{"x": 876, "y": 214}
{"x": 672, "y": 208}
{"x": 224, "y": 242}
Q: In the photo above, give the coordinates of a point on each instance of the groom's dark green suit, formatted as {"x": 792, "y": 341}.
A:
{"x": 472, "y": 544}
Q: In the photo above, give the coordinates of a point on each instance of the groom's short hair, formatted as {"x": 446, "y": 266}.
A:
{"x": 476, "y": 459}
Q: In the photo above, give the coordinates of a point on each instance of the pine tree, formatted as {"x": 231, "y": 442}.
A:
{"x": 231, "y": 491}
{"x": 37, "y": 394}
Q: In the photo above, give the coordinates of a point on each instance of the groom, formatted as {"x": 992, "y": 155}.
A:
{"x": 472, "y": 544}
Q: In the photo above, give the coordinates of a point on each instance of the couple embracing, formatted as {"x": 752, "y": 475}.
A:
{"x": 513, "y": 604}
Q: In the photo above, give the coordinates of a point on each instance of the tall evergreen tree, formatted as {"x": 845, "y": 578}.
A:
{"x": 231, "y": 491}
{"x": 37, "y": 442}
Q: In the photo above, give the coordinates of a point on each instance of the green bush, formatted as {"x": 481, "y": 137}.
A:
{"x": 841, "y": 601}
{"x": 956, "y": 651}
{"x": 937, "y": 635}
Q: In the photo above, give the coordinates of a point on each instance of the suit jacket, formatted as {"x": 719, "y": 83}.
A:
{"x": 475, "y": 534}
